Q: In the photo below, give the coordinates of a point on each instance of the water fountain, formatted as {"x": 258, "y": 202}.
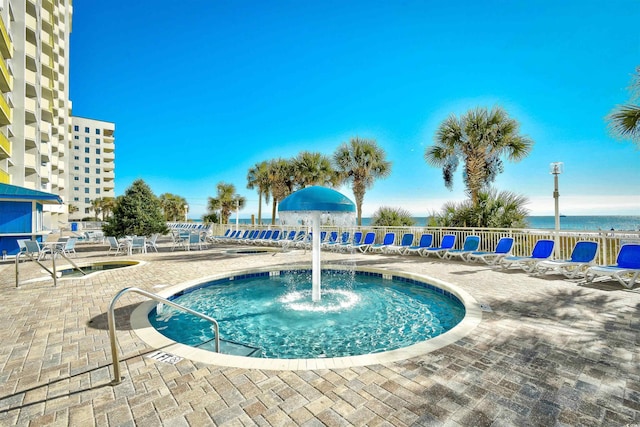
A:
{"x": 317, "y": 205}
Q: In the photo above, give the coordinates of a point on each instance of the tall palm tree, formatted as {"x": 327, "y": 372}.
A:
{"x": 624, "y": 120}
{"x": 108, "y": 205}
{"x": 258, "y": 177}
{"x": 313, "y": 169}
{"x": 361, "y": 162}
{"x": 479, "y": 138}
{"x": 281, "y": 182}
{"x": 96, "y": 206}
{"x": 226, "y": 202}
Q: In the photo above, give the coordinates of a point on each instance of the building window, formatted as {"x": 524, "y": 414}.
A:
{"x": 97, "y": 131}
{"x": 76, "y": 168}
{"x": 86, "y": 180}
{"x": 98, "y": 171}
{"x": 86, "y": 139}
{"x": 86, "y": 210}
{"x": 76, "y": 188}
{"x": 86, "y": 170}
{"x": 98, "y": 141}
{"x": 86, "y": 160}
{"x": 97, "y": 161}
{"x": 86, "y": 130}
{"x": 97, "y": 180}
{"x": 97, "y": 151}
{"x": 86, "y": 150}
{"x": 76, "y": 128}
{"x": 76, "y": 199}
{"x": 76, "y": 178}
{"x": 86, "y": 190}
{"x": 76, "y": 137}
{"x": 76, "y": 147}
{"x": 76, "y": 158}
{"x": 97, "y": 191}
{"x": 86, "y": 200}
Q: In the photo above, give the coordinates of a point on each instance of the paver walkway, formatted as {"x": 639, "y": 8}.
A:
{"x": 550, "y": 353}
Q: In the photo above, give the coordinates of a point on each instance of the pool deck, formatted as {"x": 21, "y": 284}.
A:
{"x": 550, "y": 352}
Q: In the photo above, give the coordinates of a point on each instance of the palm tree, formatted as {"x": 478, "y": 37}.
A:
{"x": 387, "y": 216}
{"x": 281, "y": 182}
{"x": 258, "y": 177}
{"x": 624, "y": 120}
{"x": 479, "y": 138}
{"x": 96, "y": 206}
{"x": 361, "y": 161}
{"x": 108, "y": 205}
{"x": 313, "y": 169}
{"x": 227, "y": 201}
{"x": 173, "y": 206}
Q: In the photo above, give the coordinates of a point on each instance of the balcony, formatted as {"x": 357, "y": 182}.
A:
{"x": 6, "y": 79}
{"x": 30, "y": 133}
{"x": 30, "y": 162}
{"x": 108, "y": 157}
{"x": 4, "y": 177}
{"x": 6, "y": 47}
{"x": 45, "y": 131}
{"x": 5, "y": 111}
{"x": 5, "y": 146}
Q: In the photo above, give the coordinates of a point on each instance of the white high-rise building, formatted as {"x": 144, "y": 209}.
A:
{"x": 91, "y": 165}
{"x": 34, "y": 102}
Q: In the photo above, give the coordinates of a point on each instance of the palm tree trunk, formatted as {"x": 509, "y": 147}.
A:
{"x": 273, "y": 211}
{"x": 259, "y": 207}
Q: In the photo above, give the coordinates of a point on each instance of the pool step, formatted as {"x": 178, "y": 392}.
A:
{"x": 233, "y": 348}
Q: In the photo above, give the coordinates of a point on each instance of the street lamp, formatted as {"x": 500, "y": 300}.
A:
{"x": 556, "y": 168}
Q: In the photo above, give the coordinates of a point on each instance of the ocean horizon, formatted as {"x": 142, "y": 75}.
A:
{"x": 567, "y": 222}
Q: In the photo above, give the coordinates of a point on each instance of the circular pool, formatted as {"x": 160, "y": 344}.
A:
{"x": 364, "y": 316}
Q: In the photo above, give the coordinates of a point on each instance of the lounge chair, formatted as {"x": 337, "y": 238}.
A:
{"x": 35, "y": 251}
{"x": 369, "y": 238}
{"x": 448, "y": 242}
{"x": 471, "y": 244}
{"x": 503, "y": 249}
{"x": 331, "y": 240}
{"x": 626, "y": 270}
{"x": 405, "y": 243}
{"x": 69, "y": 247}
{"x": 356, "y": 240}
{"x": 542, "y": 250}
{"x": 425, "y": 242}
{"x": 583, "y": 255}
{"x": 138, "y": 244}
{"x": 388, "y": 240}
{"x": 344, "y": 239}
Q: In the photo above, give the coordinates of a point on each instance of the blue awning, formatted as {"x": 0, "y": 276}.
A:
{"x": 13, "y": 192}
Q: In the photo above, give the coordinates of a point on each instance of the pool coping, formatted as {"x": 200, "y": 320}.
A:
{"x": 134, "y": 263}
{"x": 147, "y": 333}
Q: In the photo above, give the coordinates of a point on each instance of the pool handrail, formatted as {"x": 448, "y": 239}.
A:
{"x": 115, "y": 358}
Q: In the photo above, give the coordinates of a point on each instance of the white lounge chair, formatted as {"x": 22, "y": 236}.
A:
{"x": 388, "y": 240}
{"x": 583, "y": 255}
{"x": 425, "y": 242}
{"x": 503, "y": 249}
{"x": 447, "y": 243}
{"x": 542, "y": 250}
{"x": 405, "y": 243}
{"x": 471, "y": 244}
{"x": 626, "y": 270}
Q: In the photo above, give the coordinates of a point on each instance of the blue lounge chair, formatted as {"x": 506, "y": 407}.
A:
{"x": 503, "y": 249}
{"x": 471, "y": 243}
{"x": 425, "y": 242}
{"x": 583, "y": 255}
{"x": 338, "y": 244}
{"x": 627, "y": 268}
{"x": 331, "y": 240}
{"x": 448, "y": 241}
{"x": 406, "y": 242}
{"x": 369, "y": 238}
{"x": 542, "y": 250}
{"x": 388, "y": 240}
{"x": 356, "y": 240}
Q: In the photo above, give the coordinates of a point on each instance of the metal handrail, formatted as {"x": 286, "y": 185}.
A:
{"x": 52, "y": 272}
{"x": 112, "y": 326}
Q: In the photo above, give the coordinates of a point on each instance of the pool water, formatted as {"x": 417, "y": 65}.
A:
{"x": 359, "y": 313}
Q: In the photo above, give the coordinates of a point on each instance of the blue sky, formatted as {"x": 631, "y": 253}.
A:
{"x": 201, "y": 92}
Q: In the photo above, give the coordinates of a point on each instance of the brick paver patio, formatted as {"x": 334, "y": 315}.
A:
{"x": 551, "y": 352}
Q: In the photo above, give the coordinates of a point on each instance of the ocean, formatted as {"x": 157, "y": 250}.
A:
{"x": 587, "y": 222}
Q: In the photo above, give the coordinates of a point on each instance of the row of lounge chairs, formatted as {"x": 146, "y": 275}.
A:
{"x": 581, "y": 263}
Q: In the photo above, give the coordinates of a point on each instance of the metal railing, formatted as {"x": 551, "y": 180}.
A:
{"x": 117, "y": 378}
{"x": 53, "y": 272}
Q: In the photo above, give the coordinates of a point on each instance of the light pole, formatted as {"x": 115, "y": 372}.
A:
{"x": 556, "y": 168}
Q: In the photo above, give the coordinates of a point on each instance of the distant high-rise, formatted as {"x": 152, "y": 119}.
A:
{"x": 91, "y": 165}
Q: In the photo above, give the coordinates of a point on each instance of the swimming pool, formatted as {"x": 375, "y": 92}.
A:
{"x": 395, "y": 330}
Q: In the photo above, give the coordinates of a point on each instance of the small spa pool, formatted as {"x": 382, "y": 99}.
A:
{"x": 273, "y": 315}
{"x": 93, "y": 268}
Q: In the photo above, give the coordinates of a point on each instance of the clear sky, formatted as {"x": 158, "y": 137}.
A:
{"x": 200, "y": 91}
